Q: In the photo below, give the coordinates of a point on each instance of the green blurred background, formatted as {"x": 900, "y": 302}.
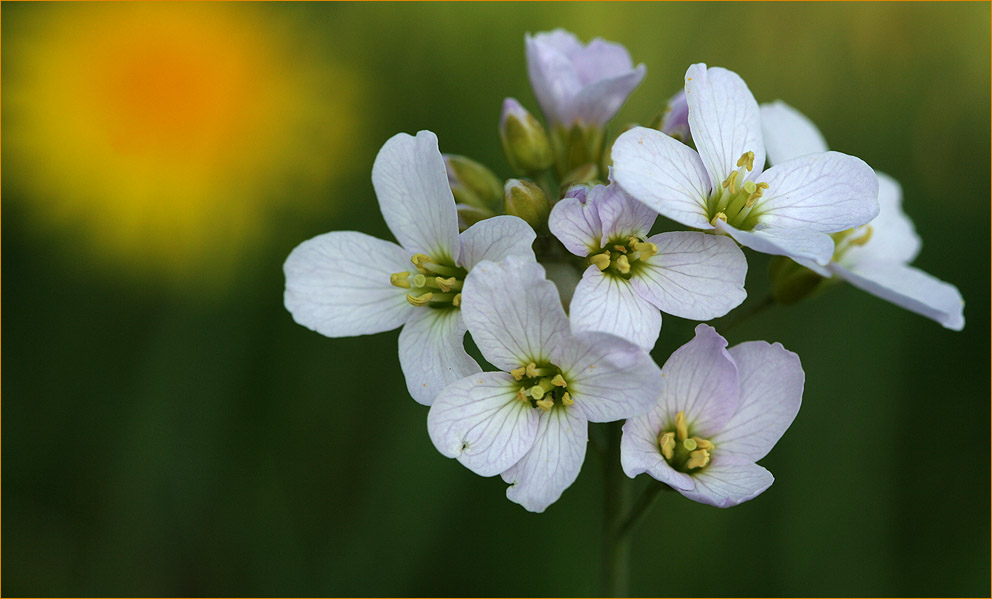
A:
{"x": 168, "y": 429}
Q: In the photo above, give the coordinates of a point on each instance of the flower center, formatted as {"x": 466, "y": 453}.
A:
{"x": 734, "y": 201}
{"x": 682, "y": 452}
{"x": 622, "y": 257}
{"x": 845, "y": 240}
{"x": 542, "y": 386}
{"x": 435, "y": 283}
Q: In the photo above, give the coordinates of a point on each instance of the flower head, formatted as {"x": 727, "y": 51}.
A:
{"x": 785, "y": 210}
{"x": 346, "y": 283}
{"x": 630, "y": 276}
{"x": 528, "y": 422}
{"x": 719, "y": 412}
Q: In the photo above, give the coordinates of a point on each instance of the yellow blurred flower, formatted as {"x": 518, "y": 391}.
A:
{"x": 166, "y": 133}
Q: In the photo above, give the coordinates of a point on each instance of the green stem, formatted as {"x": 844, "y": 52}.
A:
{"x": 616, "y": 547}
{"x": 643, "y": 505}
{"x": 753, "y": 310}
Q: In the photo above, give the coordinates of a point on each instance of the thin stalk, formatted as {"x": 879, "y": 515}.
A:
{"x": 641, "y": 508}
{"x": 616, "y": 547}
{"x": 753, "y": 310}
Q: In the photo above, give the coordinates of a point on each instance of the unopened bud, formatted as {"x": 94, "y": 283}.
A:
{"x": 473, "y": 184}
{"x": 469, "y": 215}
{"x": 674, "y": 121}
{"x": 525, "y": 142}
{"x": 606, "y": 161}
{"x": 586, "y": 173}
{"x": 576, "y": 146}
{"x": 792, "y": 282}
{"x": 526, "y": 200}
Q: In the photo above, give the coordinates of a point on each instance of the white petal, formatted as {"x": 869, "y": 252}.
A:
{"x": 701, "y": 380}
{"x": 664, "y": 174}
{"x": 411, "y": 183}
{"x": 494, "y": 239}
{"x": 609, "y": 378}
{"x": 553, "y": 463}
{"x": 824, "y": 192}
{"x": 724, "y": 120}
{"x": 577, "y": 226}
{"x": 788, "y": 133}
{"x": 893, "y": 236}
{"x": 639, "y": 450}
{"x": 513, "y": 312}
{"x": 432, "y": 352}
{"x": 771, "y": 379}
{"x": 794, "y": 243}
{"x": 599, "y": 102}
{"x": 621, "y": 215}
{"x": 693, "y": 275}
{"x": 599, "y": 60}
{"x": 338, "y": 284}
{"x": 729, "y": 482}
{"x": 552, "y": 76}
{"x": 480, "y": 421}
{"x": 609, "y": 304}
{"x": 910, "y": 288}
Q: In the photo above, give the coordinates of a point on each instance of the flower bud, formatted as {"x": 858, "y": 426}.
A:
{"x": 586, "y": 173}
{"x": 473, "y": 184}
{"x": 528, "y": 201}
{"x": 792, "y": 282}
{"x": 469, "y": 215}
{"x": 674, "y": 122}
{"x": 576, "y": 146}
{"x": 525, "y": 142}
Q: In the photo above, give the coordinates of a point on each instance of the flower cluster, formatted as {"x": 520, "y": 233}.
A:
{"x": 561, "y": 283}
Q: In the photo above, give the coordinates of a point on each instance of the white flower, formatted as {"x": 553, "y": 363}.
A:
{"x": 874, "y": 257}
{"x": 579, "y": 84}
{"x": 528, "y": 422}
{"x": 346, "y": 283}
{"x": 720, "y": 411}
{"x": 787, "y": 210}
{"x": 631, "y": 276}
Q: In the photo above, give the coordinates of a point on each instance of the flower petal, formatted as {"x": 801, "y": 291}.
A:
{"x": 724, "y": 120}
{"x": 893, "y": 237}
{"x": 693, "y": 275}
{"x": 552, "y": 76}
{"x": 910, "y": 288}
{"x": 771, "y": 379}
{"x": 608, "y": 377}
{"x": 599, "y": 60}
{"x": 823, "y": 192}
{"x": 338, "y": 284}
{"x": 480, "y": 421}
{"x": 432, "y": 352}
{"x": 597, "y": 103}
{"x": 411, "y": 183}
{"x": 794, "y": 243}
{"x": 788, "y": 133}
{"x": 577, "y": 226}
{"x": 494, "y": 239}
{"x": 621, "y": 215}
{"x": 513, "y": 312}
{"x": 553, "y": 463}
{"x": 639, "y": 451}
{"x": 728, "y": 482}
{"x": 664, "y": 174}
{"x": 701, "y": 380}
{"x": 610, "y": 304}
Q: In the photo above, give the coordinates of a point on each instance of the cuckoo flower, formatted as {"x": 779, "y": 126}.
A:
{"x": 719, "y": 412}
{"x": 345, "y": 283}
{"x": 786, "y": 210}
{"x": 631, "y": 276}
{"x": 874, "y": 257}
{"x": 528, "y": 422}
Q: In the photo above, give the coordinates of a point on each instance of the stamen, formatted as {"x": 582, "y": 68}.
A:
{"x": 522, "y": 395}
{"x": 518, "y": 373}
{"x": 681, "y": 429}
{"x": 457, "y": 300}
{"x": 419, "y": 260}
{"x": 440, "y": 269}
{"x": 546, "y": 404}
{"x": 532, "y": 370}
{"x": 602, "y": 261}
{"x": 667, "y": 444}
{"x": 728, "y": 183}
{"x": 645, "y": 249}
{"x": 559, "y": 381}
{"x": 746, "y": 160}
{"x": 623, "y": 265}
{"x": 447, "y": 284}
{"x": 863, "y": 239}
{"x": 703, "y": 443}
{"x": 400, "y": 279}
{"x": 719, "y": 216}
{"x": 698, "y": 459}
{"x": 620, "y": 249}
{"x": 421, "y": 300}
{"x": 566, "y": 399}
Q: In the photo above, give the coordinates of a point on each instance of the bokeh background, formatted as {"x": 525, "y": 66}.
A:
{"x": 168, "y": 429}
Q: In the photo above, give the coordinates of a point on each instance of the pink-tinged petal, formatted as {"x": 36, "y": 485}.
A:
{"x": 480, "y": 421}
{"x": 639, "y": 450}
{"x": 724, "y": 120}
{"x": 432, "y": 352}
{"x": 909, "y": 288}
{"x": 609, "y": 304}
{"x": 676, "y": 119}
{"x": 553, "y": 463}
{"x": 552, "y": 75}
{"x": 599, "y": 60}
{"x": 693, "y": 275}
{"x": 577, "y": 226}
{"x": 608, "y": 377}
{"x": 823, "y": 192}
{"x": 494, "y": 239}
{"x": 513, "y": 312}
{"x": 701, "y": 380}
{"x": 788, "y": 133}
{"x": 621, "y": 215}
{"x": 794, "y": 243}
{"x": 664, "y": 174}
{"x": 338, "y": 284}
{"x": 771, "y": 379}
{"x": 411, "y": 183}
{"x": 893, "y": 236}
{"x": 728, "y": 482}
{"x": 599, "y": 102}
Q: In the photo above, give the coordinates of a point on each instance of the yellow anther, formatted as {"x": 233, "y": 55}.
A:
{"x": 681, "y": 429}
{"x": 728, "y": 183}
{"x": 758, "y": 190}
{"x": 445, "y": 284}
{"x": 719, "y": 216}
{"x": 689, "y": 444}
{"x": 400, "y": 279}
{"x": 667, "y": 444}
{"x": 421, "y": 300}
{"x": 532, "y": 371}
{"x": 566, "y": 399}
{"x": 522, "y": 394}
{"x": 646, "y": 249}
{"x": 546, "y": 404}
{"x": 863, "y": 239}
{"x": 537, "y": 392}
{"x": 702, "y": 443}
{"x": 602, "y": 261}
{"x": 698, "y": 459}
{"x": 419, "y": 280}
{"x": 623, "y": 265}
{"x": 420, "y": 259}
{"x": 620, "y": 248}
{"x": 457, "y": 300}
{"x": 559, "y": 381}
{"x": 518, "y": 373}
{"x": 633, "y": 241}
{"x": 746, "y": 160}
